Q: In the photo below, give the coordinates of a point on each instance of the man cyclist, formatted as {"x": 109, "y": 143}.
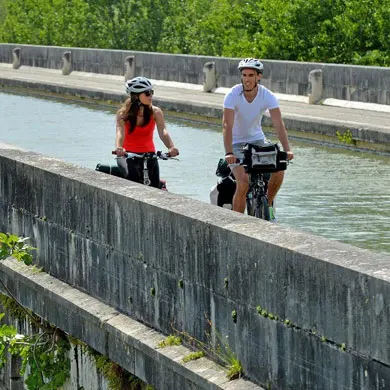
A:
{"x": 243, "y": 109}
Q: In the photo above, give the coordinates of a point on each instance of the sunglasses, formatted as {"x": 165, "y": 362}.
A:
{"x": 149, "y": 93}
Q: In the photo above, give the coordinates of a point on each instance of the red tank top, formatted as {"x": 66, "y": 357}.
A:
{"x": 140, "y": 140}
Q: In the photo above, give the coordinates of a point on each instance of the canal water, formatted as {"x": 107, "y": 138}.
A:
{"x": 336, "y": 193}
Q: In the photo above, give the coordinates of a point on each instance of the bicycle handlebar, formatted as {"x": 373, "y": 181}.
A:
{"x": 159, "y": 154}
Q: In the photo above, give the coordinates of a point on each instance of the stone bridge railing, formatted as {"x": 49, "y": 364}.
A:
{"x": 318, "y": 81}
{"x": 300, "y": 312}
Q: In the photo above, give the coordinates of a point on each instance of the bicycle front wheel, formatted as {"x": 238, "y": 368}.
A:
{"x": 262, "y": 209}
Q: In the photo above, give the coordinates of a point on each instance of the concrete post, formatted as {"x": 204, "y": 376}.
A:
{"x": 130, "y": 67}
{"x": 210, "y": 77}
{"x": 67, "y": 66}
{"x": 16, "y": 58}
{"x": 316, "y": 86}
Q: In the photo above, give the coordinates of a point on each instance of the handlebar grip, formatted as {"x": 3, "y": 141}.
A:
{"x": 114, "y": 152}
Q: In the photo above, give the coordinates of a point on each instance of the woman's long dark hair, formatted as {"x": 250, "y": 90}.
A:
{"x": 129, "y": 111}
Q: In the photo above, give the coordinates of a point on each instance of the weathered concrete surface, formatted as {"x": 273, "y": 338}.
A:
{"x": 347, "y": 82}
{"x": 127, "y": 342}
{"x": 370, "y": 128}
{"x": 83, "y": 371}
{"x": 170, "y": 261}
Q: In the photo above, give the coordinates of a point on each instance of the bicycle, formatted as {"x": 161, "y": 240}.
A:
{"x": 114, "y": 170}
{"x": 259, "y": 163}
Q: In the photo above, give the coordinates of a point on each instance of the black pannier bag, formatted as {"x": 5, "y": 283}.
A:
{"x": 110, "y": 169}
{"x": 265, "y": 159}
{"x": 222, "y": 193}
{"x": 223, "y": 169}
{"x": 226, "y": 188}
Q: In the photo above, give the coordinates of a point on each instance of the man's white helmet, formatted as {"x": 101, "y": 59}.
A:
{"x": 251, "y": 63}
{"x": 138, "y": 85}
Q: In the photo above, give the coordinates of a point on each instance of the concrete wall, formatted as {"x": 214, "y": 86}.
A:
{"x": 127, "y": 342}
{"x": 170, "y": 261}
{"x": 347, "y": 82}
{"x": 83, "y": 371}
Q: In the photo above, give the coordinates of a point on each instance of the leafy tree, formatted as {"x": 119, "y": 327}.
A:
{"x": 341, "y": 31}
{"x": 50, "y": 22}
{"x": 2, "y": 11}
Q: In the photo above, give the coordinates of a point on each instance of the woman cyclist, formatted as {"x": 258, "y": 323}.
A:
{"x": 135, "y": 124}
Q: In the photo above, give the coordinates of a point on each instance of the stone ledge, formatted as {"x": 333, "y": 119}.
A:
{"x": 92, "y": 322}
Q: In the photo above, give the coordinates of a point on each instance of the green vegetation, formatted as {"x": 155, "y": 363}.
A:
{"x": 116, "y": 376}
{"x": 338, "y": 31}
{"x": 170, "y": 341}
{"x": 11, "y": 245}
{"x": 216, "y": 348}
{"x": 346, "y": 138}
{"x": 44, "y": 355}
{"x": 193, "y": 356}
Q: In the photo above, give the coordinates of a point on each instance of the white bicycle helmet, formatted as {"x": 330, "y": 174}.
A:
{"x": 251, "y": 63}
{"x": 138, "y": 85}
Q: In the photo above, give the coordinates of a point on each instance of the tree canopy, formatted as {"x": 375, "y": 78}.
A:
{"x": 338, "y": 31}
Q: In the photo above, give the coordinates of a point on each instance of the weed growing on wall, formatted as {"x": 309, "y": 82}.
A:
{"x": 170, "y": 341}
{"x": 346, "y": 138}
{"x": 218, "y": 351}
{"x": 12, "y": 245}
{"x": 117, "y": 377}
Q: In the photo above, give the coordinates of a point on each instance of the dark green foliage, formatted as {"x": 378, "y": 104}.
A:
{"x": 340, "y": 31}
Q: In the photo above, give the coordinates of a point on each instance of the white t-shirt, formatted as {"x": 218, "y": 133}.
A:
{"x": 248, "y": 116}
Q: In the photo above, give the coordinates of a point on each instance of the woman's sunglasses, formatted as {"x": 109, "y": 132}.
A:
{"x": 149, "y": 93}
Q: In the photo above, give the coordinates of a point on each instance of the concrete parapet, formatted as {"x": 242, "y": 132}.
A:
{"x": 67, "y": 66}
{"x": 315, "y": 83}
{"x": 210, "y": 77}
{"x": 299, "y": 311}
{"x": 16, "y": 58}
{"x": 347, "y": 82}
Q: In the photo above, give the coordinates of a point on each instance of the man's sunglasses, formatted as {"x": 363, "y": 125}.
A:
{"x": 149, "y": 93}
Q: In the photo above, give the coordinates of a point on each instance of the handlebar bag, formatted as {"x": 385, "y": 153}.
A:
{"x": 267, "y": 158}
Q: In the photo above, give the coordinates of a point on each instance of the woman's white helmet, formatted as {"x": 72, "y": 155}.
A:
{"x": 251, "y": 63}
{"x": 138, "y": 85}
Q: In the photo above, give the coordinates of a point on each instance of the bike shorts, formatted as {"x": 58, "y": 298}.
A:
{"x": 132, "y": 169}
